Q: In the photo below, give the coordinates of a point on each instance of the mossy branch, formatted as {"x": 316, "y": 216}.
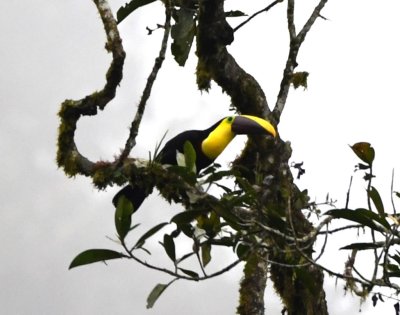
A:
{"x": 68, "y": 155}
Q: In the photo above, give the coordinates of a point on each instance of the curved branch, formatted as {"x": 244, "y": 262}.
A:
{"x": 215, "y": 62}
{"x": 71, "y": 111}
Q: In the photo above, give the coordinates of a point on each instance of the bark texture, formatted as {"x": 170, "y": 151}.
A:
{"x": 279, "y": 196}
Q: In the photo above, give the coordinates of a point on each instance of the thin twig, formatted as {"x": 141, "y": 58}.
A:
{"x": 291, "y": 63}
{"x": 133, "y": 132}
{"x": 392, "y": 192}
{"x": 348, "y": 194}
{"x": 257, "y": 13}
{"x": 175, "y": 274}
{"x": 290, "y": 18}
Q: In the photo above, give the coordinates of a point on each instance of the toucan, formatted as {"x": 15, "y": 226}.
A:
{"x": 208, "y": 145}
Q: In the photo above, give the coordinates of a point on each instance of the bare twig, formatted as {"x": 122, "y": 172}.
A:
{"x": 291, "y": 63}
{"x": 290, "y": 18}
{"x": 133, "y": 132}
{"x": 266, "y": 9}
{"x": 348, "y": 194}
{"x": 392, "y": 192}
{"x": 175, "y": 274}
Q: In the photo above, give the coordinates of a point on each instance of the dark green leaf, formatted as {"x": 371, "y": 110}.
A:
{"x": 123, "y": 216}
{"x": 242, "y": 250}
{"x": 361, "y": 246}
{"x": 183, "y": 33}
{"x": 374, "y": 299}
{"x": 155, "y": 294}
{"x": 128, "y": 8}
{"x": 210, "y": 170}
{"x": 246, "y": 186}
{"x": 216, "y": 176}
{"x": 186, "y": 217}
{"x": 397, "y": 194}
{"x": 190, "y": 273}
{"x": 187, "y": 229}
{"x": 229, "y": 217}
{"x": 226, "y": 241}
{"x": 94, "y": 255}
{"x": 363, "y": 166}
{"x": 149, "y": 233}
{"x": 235, "y": 13}
{"x": 392, "y": 267}
{"x": 394, "y": 274}
{"x": 376, "y": 198}
{"x": 227, "y": 190}
{"x": 169, "y": 246}
{"x": 362, "y": 216}
{"x": 364, "y": 151}
{"x": 205, "y": 254}
{"x": 190, "y": 156}
{"x": 396, "y": 257}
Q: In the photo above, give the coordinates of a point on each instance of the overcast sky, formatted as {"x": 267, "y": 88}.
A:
{"x": 53, "y": 50}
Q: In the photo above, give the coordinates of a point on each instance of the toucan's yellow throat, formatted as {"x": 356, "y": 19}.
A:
{"x": 229, "y": 127}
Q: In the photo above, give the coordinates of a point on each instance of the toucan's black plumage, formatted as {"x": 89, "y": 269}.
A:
{"x": 208, "y": 144}
{"x": 195, "y": 137}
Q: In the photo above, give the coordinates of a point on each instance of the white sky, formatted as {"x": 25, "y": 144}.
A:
{"x": 53, "y": 50}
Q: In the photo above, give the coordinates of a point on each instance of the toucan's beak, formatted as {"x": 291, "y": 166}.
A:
{"x": 252, "y": 125}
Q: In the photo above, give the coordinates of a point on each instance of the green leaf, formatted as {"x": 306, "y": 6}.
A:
{"x": 128, "y": 8}
{"x": 148, "y": 234}
{"x": 229, "y": 217}
{"x": 235, "y": 13}
{"x": 242, "y": 250}
{"x": 205, "y": 254}
{"x": 361, "y": 246}
{"x": 155, "y": 294}
{"x": 123, "y": 216}
{"x": 187, "y": 229}
{"x": 190, "y": 273}
{"x": 94, "y": 255}
{"x": 169, "y": 246}
{"x": 364, "y": 151}
{"x": 376, "y": 198}
{"x": 394, "y": 274}
{"x": 361, "y": 216}
{"x": 186, "y": 217}
{"x": 392, "y": 267}
{"x": 396, "y": 257}
{"x": 190, "y": 156}
{"x": 183, "y": 32}
{"x": 216, "y": 176}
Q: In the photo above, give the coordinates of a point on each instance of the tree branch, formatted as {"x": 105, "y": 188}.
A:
{"x": 266, "y": 9}
{"x": 131, "y": 141}
{"x": 68, "y": 156}
{"x": 291, "y": 63}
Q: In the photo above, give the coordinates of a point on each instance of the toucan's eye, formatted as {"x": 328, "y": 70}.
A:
{"x": 229, "y": 119}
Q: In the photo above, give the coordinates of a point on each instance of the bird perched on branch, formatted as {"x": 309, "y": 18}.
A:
{"x": 208, "y": 144}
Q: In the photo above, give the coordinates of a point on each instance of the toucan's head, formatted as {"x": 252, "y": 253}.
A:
{"x": 229, "y": 127}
